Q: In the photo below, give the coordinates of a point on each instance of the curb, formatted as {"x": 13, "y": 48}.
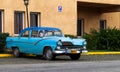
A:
{"x": 5, "y": 55}
{"x": 88, "y": 53}
{"x": 100, "y": 53}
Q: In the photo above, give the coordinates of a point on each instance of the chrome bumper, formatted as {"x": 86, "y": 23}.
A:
{"x": 84, "y": 51}
{"x": 65, "y": 52}
{"x": 69, "y": 51}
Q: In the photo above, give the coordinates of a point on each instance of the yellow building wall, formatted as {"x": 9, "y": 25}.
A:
{"x": 91, "y": 18}
{"x": 9, "y": 6}
{"x": 66, "y": 20}
{"x": 102, "y": 1}
{"x": 112, "y": 18}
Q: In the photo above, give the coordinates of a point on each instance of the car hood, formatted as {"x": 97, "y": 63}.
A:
{"x": 68, "y": 39}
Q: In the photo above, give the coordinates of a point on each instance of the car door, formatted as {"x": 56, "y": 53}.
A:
{"x": 35, "y": 37}
{"x": 24, "y": 43}
{"x": 28, "y": 41}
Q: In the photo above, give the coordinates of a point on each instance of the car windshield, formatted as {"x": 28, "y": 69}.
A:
{"x": 53, "y": 33}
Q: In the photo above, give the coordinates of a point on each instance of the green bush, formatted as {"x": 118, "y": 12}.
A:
{"x": 91, "y": 40}
{"x": 3, "y": 41}
{"x": 108, "y": 39}
{"x": 71, "y": 36}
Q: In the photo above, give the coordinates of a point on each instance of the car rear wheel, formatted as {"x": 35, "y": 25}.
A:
{"x": 48, "y": 54}
{"x": 16, "y": 52}
{"x": 75, "y": 56}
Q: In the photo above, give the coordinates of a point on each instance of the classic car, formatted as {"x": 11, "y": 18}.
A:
{"x": 47, "y": 42}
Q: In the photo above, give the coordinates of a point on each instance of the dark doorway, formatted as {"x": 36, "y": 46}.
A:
{"x": 80, "y": 27}
{"x": 18, "y": 22}
{"x": 102, "y": 24}
{"x": 34, "y": 19}
{"x": 0, "y": 21}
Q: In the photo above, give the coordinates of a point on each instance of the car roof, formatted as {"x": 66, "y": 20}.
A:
{"x": 41, "y": 28}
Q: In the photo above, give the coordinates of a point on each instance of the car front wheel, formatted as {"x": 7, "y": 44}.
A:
{"x": 48, "y": 54}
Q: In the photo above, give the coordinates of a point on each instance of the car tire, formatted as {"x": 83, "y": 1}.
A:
{"x": 48, "y": 54}
{"x": 75, "y": 56}
{"x": 16, "y": 52}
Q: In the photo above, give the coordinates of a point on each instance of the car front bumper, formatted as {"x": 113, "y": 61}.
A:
{"x": 69, "y": 51}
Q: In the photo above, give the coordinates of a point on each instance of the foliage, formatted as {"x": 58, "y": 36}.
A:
{"x": 108, "y": 39}
{"x": 71, "y": 36}
{"x": 3, "y": 41}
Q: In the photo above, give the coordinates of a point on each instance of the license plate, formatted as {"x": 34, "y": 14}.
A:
{"x": 73, "y": 51}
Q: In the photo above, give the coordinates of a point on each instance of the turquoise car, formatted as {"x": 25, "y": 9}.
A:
{"x": 47, "y": 42}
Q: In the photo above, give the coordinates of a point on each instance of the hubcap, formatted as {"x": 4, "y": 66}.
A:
{"x": 16, "y": 52}
{"x": 49, "y": 54}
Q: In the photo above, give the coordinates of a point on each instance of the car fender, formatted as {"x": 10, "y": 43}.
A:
{"x": 47, "y": 42}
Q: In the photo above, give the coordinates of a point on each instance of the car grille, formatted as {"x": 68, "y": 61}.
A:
{"x": 67, "y": 44}
{"x": 71, "y": 47}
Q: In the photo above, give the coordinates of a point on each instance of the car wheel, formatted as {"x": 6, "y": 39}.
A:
{"x": 16, "y": 52}
{"x": 48, "y": 54}
{"x": 75, "y": 56}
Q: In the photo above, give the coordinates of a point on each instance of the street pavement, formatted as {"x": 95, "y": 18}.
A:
{"x": 87, "y": 63}
{"x": 97, "y": 66}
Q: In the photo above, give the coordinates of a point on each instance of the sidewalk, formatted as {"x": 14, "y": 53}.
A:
{"x": 88, "y": 53}
{"x": 6, "y": 55}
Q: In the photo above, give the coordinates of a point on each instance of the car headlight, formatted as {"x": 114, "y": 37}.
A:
{"x": 85, "y": 42}
{"x": 58, "y": 47}
{"x": 84, "y": 47}
{"x": 59, "y": 43}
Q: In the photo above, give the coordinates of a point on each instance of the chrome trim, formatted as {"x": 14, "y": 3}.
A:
{"x": 84, "y": 51}
{"x": 65, "y": 51}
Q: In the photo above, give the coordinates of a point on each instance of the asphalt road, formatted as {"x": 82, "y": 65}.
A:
{"x": 87, "y": 63}
{"x": 95, "y": 66}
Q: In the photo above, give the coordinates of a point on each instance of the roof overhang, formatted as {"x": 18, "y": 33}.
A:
{"x": 100, "y": 6}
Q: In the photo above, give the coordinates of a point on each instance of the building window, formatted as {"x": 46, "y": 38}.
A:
{"x": 1, "y": 21}
{"x": 80, "y": 27}
{"x": 18, "y": 21}
{"x": 34, "y": 19}
{"x": 102, "y": 24}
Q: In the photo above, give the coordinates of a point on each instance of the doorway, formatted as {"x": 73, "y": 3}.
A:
{"x": 34, "y": 19}
{"x": 80, "y": 27}
{"x": 18, "y": 21}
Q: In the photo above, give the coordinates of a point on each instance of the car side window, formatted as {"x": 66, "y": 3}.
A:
{"x": 34, "y": 33}
{"x": 25, "y": 34}
{"x": 49, "y": 33}
{"x": 57, "y": 33}
{"x": 41, "y": 33}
